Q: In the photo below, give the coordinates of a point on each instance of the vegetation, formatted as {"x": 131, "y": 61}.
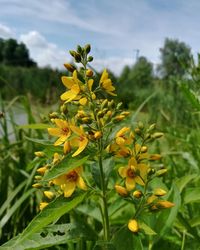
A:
{"x": 170, "y": 99}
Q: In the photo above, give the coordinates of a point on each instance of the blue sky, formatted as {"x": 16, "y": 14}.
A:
{"x": 114, "y": 28}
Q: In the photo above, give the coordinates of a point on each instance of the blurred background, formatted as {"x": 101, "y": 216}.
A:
{"x": 150, "y": 48}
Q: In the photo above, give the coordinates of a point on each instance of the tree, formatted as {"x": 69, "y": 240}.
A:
{"x": 135, "y": 80}
{"x": 175, "y": 58}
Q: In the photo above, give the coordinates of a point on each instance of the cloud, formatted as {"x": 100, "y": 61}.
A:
{"x": 42, "y": 51}
{"x": 5, "y": 31}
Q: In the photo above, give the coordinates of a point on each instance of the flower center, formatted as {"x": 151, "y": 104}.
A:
{"x": 72, "y": 176}
{"x": 131, "y": 173}
{"x": 65, "y": 130}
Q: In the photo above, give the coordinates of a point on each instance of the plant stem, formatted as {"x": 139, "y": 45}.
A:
{"x": 104, "y": 197}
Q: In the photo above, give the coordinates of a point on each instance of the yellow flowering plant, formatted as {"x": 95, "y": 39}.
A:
{"x": 99, "y": 180}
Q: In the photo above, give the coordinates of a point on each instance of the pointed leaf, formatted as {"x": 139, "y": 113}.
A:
{"x": 67, "y": 164}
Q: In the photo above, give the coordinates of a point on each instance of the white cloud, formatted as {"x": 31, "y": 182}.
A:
{"x": 42, "y": 51}
{"x": 5, "y": 31}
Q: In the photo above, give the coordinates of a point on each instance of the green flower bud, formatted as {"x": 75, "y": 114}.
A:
{"x": 79, "y": 49}
{"x": 90, "y": 58}
{"x": 87, "y": 48}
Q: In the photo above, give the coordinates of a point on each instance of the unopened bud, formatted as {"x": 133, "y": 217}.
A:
{"x": 104, "y": 104}
{"x": 37, "y": 185}
{"x": 90, "y": 59}
{"x": 151, "y": 171}
{"x": 49, "y": 194}
{"x": 38, "y": 177}
{"x": 39, "y": 154}
{"x": 86, "y": 120}
{"x": 119, "y": 105}
{"x": 87, "y": 48}
{"x": 161, "y": 172}
{"x": 157, "y": 135}
{"x": 42, "y": 170}
{"x": 152, "y": 127}
{"x": 159, "y": 192}
{"x": 43, "y": 205}
{"x": 79, "y": 49}
{"x": 164, "y": 204}
{"x": 133, "y": 226}
{"x": 137, "y": 131}
{"x": 137, "y": 194}
{"x": 72, "y": 53}
{"x": 118, "y": 118}
{"x": 121, "y": 190}
{"x": 54, "y": 115}
{"x": 144, "y": 149}
{"x": 140, "y": 125}
{"x": 64, "y": 109}
{"x": 77, "y": 57}
{"x": 69, "y": 67}
{"x": 111, "y": 104}
{"x": 97, "y": 134}
{"x": 89, "y": 73}
{"x": 155, "y": 157}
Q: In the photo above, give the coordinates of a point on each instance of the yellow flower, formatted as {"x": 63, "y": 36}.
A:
{"x": 121, "y": 138}
{"x": 106, "y": 83}
{"x": 159, "y": 192}
{"x": 73, "y": 84}
{"x": 80, "y": 140}
{"x": 133, "y": 226}
{"x": 69, "y": 181}
{"x": 62, "y": 131}
{"x": 133, "y": 173}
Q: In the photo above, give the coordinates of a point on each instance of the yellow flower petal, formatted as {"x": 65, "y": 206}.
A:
{"x": 60, "y": 140}
{"x": 130, "y": 183}
{"x": 122, "y": 171}
{"x": 81, "y": 184}
{"x": 82, "y": 146}
{"x": 83, "y": 101}
{"x": 67, "y": 81}
{"x": 68, "y": 188}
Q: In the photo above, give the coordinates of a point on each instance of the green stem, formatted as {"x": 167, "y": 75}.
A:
{"x": 104, "y": 197}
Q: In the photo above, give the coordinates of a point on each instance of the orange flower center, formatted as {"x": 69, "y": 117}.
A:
{"x": 65, "y": 130}
{"x": 131, "y": 173}
{"x": 81, "y": 138}
{"x": 72, "y": 176}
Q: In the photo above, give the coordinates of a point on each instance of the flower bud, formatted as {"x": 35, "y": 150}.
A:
{"x": 161, "y": 172}
{"x": 90, "y": 59}
{"x": 144, "y": 149}
{"x": 64, "y": 109}
{"x": 151, "y": 171}
{"x": 140, "y": 125}
{"x": 111, "y": 104}
{"x": 87, "y": 48}
{"x": 69, "y": 67}
{"x": 157, "y": 135}
{"x": 133, "y": 226}
{"x": 43, "y": 205}
{"x": 152, "y": 127}
{"x": 49, "y": 194}
{"x": 39, "y": 154}
{"x": 89, "y": 73}
{"x": 38, "y": 177}
{"x": 118, "y": 118}
{"x": 137, "y": 131}
{"x": 159, "y": 192}
{"x": 79, "y": 49}
{"x": 104, "y": 104}
{"x": 155, "y": 157}
{"x": 37, "y": 185}
{"x": 54, "y": 115}
{"x": 72, "y": 53}
{"x": 42, "y": 170}
{"x": 137, "y": 194}
{"x": 165, "y": 204}
{"x": 86, "y": 120}
{"x": 121, "y": 190}
{"x": 119, "y": 105}
{"x": 77, "y": 57}
{"x": 98, "y": 135}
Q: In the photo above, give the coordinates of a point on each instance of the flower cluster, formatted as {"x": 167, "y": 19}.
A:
{"x": 84, "y": 127}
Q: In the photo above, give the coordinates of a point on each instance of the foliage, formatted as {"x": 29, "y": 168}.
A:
{"x": 12, "y": 53}
{"x": 175, "y": 58}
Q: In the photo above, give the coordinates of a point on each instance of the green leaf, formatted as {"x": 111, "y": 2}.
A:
{"x": 52, "y": 212}
{"x": 191, "y": 96}
{"x": 35, "y": 126}
{"x": 67, "y": 164}
{"x": 192, "y": 195}
{"x": 40, "y": 141}
{"x": 195, "y": 222}
{"x": 125, "y": 239}
{"x": 183, "y": 181}
{"x": 52, "y": 235}
{"x": 146, "y": 229}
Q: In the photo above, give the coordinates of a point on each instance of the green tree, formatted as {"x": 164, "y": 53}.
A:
{"x": 175, "y": 58}
{"x": 134, "y": 81}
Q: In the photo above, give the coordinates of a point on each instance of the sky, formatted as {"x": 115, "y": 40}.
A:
{"x": 118, "y": 30}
